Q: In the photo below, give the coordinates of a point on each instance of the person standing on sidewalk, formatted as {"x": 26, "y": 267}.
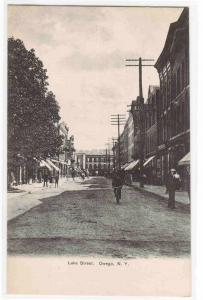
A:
{"x": 45, "y": 179}
{"x": 172, "y": 183}
{"x": 117, "y": 184}
{"x": 57, "y": 179}
{"x": 73, "y": 174}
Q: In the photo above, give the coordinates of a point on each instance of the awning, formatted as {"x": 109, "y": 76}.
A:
{"x": 63, "y": 163}
{"x": 185, "y": 161}
{"x": 131, "y": 165}
{"x": 43, "y": 163}
{"x": 54, "y": 160}
{"x": 52, "y": 165}
{"x": 59, "y": 162}
{"x": 124, "y": 166}
{"x": 148, "y": 160}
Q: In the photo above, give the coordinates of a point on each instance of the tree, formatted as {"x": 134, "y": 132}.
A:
{"x": 33, "y": 112}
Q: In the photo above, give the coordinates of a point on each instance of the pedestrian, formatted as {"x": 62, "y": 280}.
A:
{"x": 73, "y": 173}
{"x": 56, "y": 179}
{"x": 87, "y": 173}
{"x": 45, "y": 179}
{"x": 82, "y": 175}
{"x": 50, "y": 179}
{"x": 172, "y": 184}
{"x": 117, "y": 184}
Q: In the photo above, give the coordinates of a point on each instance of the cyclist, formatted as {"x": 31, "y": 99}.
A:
{"x": 117, "y": 184}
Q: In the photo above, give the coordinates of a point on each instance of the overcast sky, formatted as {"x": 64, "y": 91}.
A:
{"x": 84, "y": 51}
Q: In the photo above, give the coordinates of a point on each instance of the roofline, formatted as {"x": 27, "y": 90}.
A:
{"x": 173, "y": 26}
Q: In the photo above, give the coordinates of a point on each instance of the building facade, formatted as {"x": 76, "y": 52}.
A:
{"x": 151, "y": 136}
{"x": 164, "y": 118}
{"x": 173, "y": 109}
{"x": 96, "y": 164}
{"x": 127, "y": 144}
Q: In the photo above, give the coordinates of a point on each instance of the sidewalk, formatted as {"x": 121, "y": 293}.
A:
{"x": 181, "y": 196}
{"x": 20, "y": 202}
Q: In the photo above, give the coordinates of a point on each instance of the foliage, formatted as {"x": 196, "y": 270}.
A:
{"x": 33, "y": 112}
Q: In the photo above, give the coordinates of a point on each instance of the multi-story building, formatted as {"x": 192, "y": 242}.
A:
{"x": 124, "y": 145}
{"x": 173, "y": 109}
{"x": 127, "y": 144}
{"x": 151, "y": 138}
{"x": 96, "y": 164}
{"x": 131, "y": 145}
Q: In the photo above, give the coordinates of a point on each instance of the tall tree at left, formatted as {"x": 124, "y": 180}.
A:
{"x": 33, "y": 112}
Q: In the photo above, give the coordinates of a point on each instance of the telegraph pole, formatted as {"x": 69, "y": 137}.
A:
{"x": 106, "y": 160}
{"x": 139, "y": 106}
{"x": 108, "y": 155}
{"x": 114, "y": 140}
{"x": 118, "y": 120}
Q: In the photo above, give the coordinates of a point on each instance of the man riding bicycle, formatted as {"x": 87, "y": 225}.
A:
{"x": 117, "y": 184}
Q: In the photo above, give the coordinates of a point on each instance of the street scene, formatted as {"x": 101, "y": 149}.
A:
{"x": 84, "y": 220}
{"x": 98, "y": 132}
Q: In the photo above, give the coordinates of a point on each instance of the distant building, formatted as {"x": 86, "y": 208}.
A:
{"x": 96, "y": 164}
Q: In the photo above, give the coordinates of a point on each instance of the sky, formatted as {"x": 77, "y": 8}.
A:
{"x": 84, "y": 51}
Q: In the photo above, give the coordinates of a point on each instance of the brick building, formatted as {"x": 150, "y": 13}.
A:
{"x": 173, "y": 110}
{"x": 151, "y": 136}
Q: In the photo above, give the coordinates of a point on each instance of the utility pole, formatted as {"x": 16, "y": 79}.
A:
{"x": 140, "y": 106}
{"x": 106, "y": 160}
{"x": 118, "y": 120}
{"x": 109, "y": 159}
{"x": 114, "y": 140}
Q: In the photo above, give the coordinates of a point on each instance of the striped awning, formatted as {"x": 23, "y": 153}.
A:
{"x": 185, "y": 161}
{"x": 132, "y": 165}
{"x": 124, "y": 166}
{"x": 52, "y": 165}
{"x": 148, "y": 160}
{"x": 43, "y": 163}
